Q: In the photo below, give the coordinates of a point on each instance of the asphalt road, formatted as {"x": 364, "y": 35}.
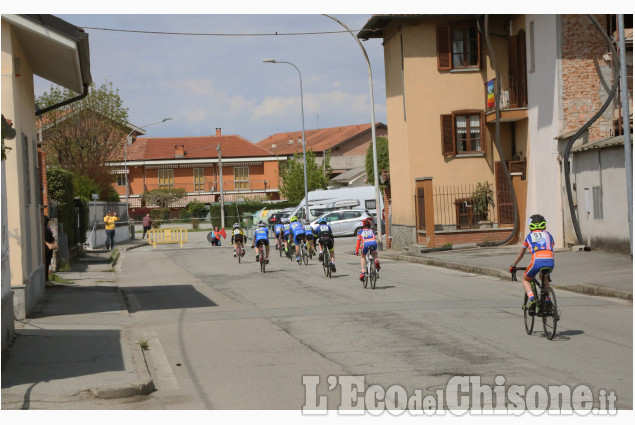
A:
{"x": 222, "y": 335}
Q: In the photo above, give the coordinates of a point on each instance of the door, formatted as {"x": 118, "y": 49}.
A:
{"x": 333, "y": 221}
{"x": 349, "y": 222}
{"x": 504, "y": 204}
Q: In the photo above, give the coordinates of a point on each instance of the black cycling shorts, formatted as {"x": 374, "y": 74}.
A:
{"x": 327, "y": 243}
{"x": 238, "y": 238}
{"x": 262, "y": 242}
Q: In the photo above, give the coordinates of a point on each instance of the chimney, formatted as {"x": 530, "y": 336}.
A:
{"x": 218, "y": 131}
{"x": 179, "y": 151}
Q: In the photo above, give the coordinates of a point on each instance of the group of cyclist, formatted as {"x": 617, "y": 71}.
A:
{"x": 291, "y": 230}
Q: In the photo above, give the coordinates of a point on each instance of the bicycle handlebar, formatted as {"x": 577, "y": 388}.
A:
{"x": 515, "y": 269}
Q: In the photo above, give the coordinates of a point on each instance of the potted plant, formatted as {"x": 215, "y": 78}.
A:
{"x": 483, "y": 197}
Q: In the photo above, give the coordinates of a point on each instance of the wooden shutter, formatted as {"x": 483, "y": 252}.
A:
{"x": 478, "y": 44}
{"x": 522, "y": 69}
{"x": 421, "y": 209}
{"x": 448, "y": 145}
{"x": 504, "y": 204}
{"x": 444, "y": 48}
{"x": 483, "y": 134}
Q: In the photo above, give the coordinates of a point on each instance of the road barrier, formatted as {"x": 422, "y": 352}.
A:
{"x": 162, "y": 236}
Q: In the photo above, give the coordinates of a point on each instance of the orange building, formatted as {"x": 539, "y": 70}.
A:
{"x": 192, "y": 163}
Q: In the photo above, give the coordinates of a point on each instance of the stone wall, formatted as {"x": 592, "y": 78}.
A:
{"x": 402, "y": 236}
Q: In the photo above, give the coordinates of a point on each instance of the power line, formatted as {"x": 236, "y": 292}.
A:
{"x": 217, "y": 34}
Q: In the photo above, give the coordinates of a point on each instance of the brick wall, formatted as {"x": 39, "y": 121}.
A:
{"x": 586, "y": 75}
{"x": 41, "y": 156}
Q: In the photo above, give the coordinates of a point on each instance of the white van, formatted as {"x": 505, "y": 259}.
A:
{"x": 322, "y": 201}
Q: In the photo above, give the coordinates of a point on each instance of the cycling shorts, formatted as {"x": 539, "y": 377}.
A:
{"x": 238, "y": 239}
{"x": 327, "y": 243}
{"x": 297, "y": 237}
{"x": 264, "y": 242}
{"x": 309, "y": 236}
{"x": 369, "y": 246}
{"x": 278, "y": 231}
{"x": 536, "y": 264}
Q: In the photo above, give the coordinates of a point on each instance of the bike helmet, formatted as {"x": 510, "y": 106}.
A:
{"x": 323, "y": 220}
{"x": 236, "y": 226}
{"x": 537, "y": 222}
{"x": 293, "y": 218}
{"x": 261, "y": 223}
{"x": 367, "y": 222}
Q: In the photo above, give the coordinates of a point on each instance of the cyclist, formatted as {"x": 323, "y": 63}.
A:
{"x": 366, "y": 241}
{"x": 324, "y": 236}
{"x": 308, "y": 235}
{"x": 298, "y": 236}
{"x": 286, "y": 229}
{"x": 238, "y": 239}
{"x": 261, "y": 236}
{"x": 278, "y": 232}
{"x": 540, "y": 244}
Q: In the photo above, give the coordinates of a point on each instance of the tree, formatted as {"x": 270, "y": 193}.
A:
{"x": 292, "y": 175}
{"x": 163, "y": 198}
{"x": 83, "y": 136}
{"x": 382, "y": 158}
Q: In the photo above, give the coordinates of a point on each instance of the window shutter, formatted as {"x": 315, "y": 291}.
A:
{"x": 478, "y": 44}
{"x": 448, "y": 146}
{"x": 444, "y": 50}
{"x": 483, "y": 134}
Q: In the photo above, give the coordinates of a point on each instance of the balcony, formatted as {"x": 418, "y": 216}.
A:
{"x": 213, "y": 187}
{"x": 513, "y": 100}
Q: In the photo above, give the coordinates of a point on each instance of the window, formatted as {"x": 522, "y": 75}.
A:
{"x": 348, "y": 215}
{"x": 458, "y": 47}
{"x": 370, "y": 204}
{"x": 121, "y": 179}
{"x": 166, "y": 178}
{"x": 462, "y": 132}
{"x": 241, "y": 177}
{"x": 199, "y": 184}
{"x": 334, "y": 216}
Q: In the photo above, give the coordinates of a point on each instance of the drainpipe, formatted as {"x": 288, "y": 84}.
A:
{"x": 64, "y": 103}
{"x": 501, "y": 155}
{"x": 628, "y": 153}
{"x": 567, "y": 150}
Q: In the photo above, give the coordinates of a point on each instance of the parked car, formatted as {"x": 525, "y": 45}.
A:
{"x": 345, "y": 222}
{"x": 278, "y": 216}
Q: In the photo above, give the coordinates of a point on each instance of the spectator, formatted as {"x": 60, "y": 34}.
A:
{"x": 109, "y": 220}
{"x": 216, "y": 236}
{"x": 147, "y": 225}
{"x": 49, "y": 245}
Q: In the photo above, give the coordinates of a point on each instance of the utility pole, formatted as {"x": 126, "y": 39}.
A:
{"x": 222, "y": 202}
{"x": 628, "y": 152}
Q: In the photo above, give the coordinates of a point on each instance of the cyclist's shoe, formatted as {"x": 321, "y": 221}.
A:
{"x": 298, "y": 259}
{"x": 234, "y": 254}
{"x": 532, "y": 306}
{"x": 377, "y": 266}
{"x": 257, "y": 257}
{"x": 321, "y": 256}
{"x": 266, "y": 261}
{"x": 361, "y": 276}
{"x": 333, "y": 267}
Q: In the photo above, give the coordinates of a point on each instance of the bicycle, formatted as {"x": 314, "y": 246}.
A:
{"x": 280, "y": 246}
{"x": 548, "y": 311}
{"x": 261, "y": 257}
{"x": 240, "y": 253}
{"x": 326, "y": 263}
{"x": 371, "y": 271}
{"x": 304, "y": 255}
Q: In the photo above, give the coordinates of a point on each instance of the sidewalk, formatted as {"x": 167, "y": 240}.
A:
{"x": 78, "y": 342}
{"x": 590, "y": 272}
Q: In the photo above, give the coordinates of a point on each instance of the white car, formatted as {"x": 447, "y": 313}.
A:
{"x": 344, "y": 222}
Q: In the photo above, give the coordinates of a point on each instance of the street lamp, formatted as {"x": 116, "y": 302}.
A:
{"x": 125, "y": 152}
{"x": 372, "y": 126}
{"x": 306, "y": 193}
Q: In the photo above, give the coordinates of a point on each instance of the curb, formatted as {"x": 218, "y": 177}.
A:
{"x": 141, "y": 385}
{"x": 588, "y": 289}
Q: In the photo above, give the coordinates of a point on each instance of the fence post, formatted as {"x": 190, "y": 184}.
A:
{"x": 429, "y": 208}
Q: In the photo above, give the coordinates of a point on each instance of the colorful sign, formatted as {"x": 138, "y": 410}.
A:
{"x": 490, "y": 94}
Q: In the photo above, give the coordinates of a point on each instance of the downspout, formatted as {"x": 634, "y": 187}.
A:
{"x": 497, "y": 135}
{"x": 567, "y": 150}
{"x": 64, "y": 103}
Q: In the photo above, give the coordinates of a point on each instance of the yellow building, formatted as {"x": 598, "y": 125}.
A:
{"x": 438, "y": 72}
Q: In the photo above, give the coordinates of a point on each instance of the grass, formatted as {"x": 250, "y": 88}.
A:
{"x": 58, "y": 279}
{"x": 143, "y": 343}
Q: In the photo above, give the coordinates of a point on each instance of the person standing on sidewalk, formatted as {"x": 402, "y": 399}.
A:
{"x": 147, "y": 225}
{"x": 49, "y": 245}
{"x": 109, "y": 221}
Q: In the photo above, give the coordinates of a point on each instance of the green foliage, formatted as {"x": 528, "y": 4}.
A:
{"x": 184, "y": 213}
{"x": 84, "y": 187}
{"x": 292, "y": 175}
{"x": 60, "y": 187}
{"x": 82, "y": 206}
{"x": 483, "y": 198}
{"x": 383, "y": 162}
{"x": 158, "y": 215}
{"x": 194, "y": 223}
{"x": 245, "y": 209}
{"x": 109, "y": 194}
{"x": 163, "y": 198}
{"x": 196, "y": 209}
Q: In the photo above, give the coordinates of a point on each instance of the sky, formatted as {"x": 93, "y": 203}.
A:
{"x": 208, "y": 82}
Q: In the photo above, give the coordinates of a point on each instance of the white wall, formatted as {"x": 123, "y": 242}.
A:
{"x": 543, "y": 87}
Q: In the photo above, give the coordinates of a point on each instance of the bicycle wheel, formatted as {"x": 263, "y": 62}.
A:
{"x": 529, "y": 319}
{"x": 550, "y": 315}
{"x": 239, "y": 254}
{"x": 261, "y": 257}
{"x": 305, "y": 255}
{"x": 209, "y": 237}
{"x": 310, "y": 252}
{"x": 372, "y": 274}
{"x": 329, "y": 267}
{"x": 365, "y": 281}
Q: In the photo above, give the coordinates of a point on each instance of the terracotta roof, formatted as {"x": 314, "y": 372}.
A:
{"x": 316, "y": 140}
{"x": 232, "y": 146}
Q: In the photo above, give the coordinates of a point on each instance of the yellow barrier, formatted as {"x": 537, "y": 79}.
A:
{"x": 161, "y": 236}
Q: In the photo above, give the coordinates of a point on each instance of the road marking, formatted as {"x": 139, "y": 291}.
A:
{"x": 158, "y": 364}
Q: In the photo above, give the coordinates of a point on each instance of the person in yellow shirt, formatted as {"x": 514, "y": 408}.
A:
{"x": 109, "y": 222}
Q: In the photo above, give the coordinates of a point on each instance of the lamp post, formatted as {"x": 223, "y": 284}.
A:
{"x": 222, "y": 201}
{"x": 306, "y": 193}
{"x": 125, "y": 152}
{"x": 372, "y": 126}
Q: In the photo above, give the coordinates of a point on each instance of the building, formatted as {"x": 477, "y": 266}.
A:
{"x": 347, "y": 146}
{"x": 57, "y": 51}
{"x": 441, "y": 114}
{"x": 192, "y": 163}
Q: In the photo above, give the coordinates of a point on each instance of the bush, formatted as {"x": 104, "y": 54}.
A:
{"x": 60, "y": 187}
{"x": 137, "y": 214}
{"x": 82, "y": 205}
{"x": 245, "y": 209}
{"x": 159, "y": 215}
{"x": 184, "y": 213}
{"x": 194, "y": 223}
{"x": 196, "y": 209}
{"x": 84, "y": 187}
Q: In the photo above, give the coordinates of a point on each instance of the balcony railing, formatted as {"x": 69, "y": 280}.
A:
{"x": 513, "y": 94}
{"x": 214, "y": 186}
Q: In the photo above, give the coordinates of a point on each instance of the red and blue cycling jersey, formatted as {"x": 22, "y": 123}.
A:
{"x": 540, "y": 244}
{"x": 365, "y": 240}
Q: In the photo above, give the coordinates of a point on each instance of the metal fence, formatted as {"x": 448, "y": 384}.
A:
{"x": 454, "y": 208}
{"x": 97, "y": 212}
